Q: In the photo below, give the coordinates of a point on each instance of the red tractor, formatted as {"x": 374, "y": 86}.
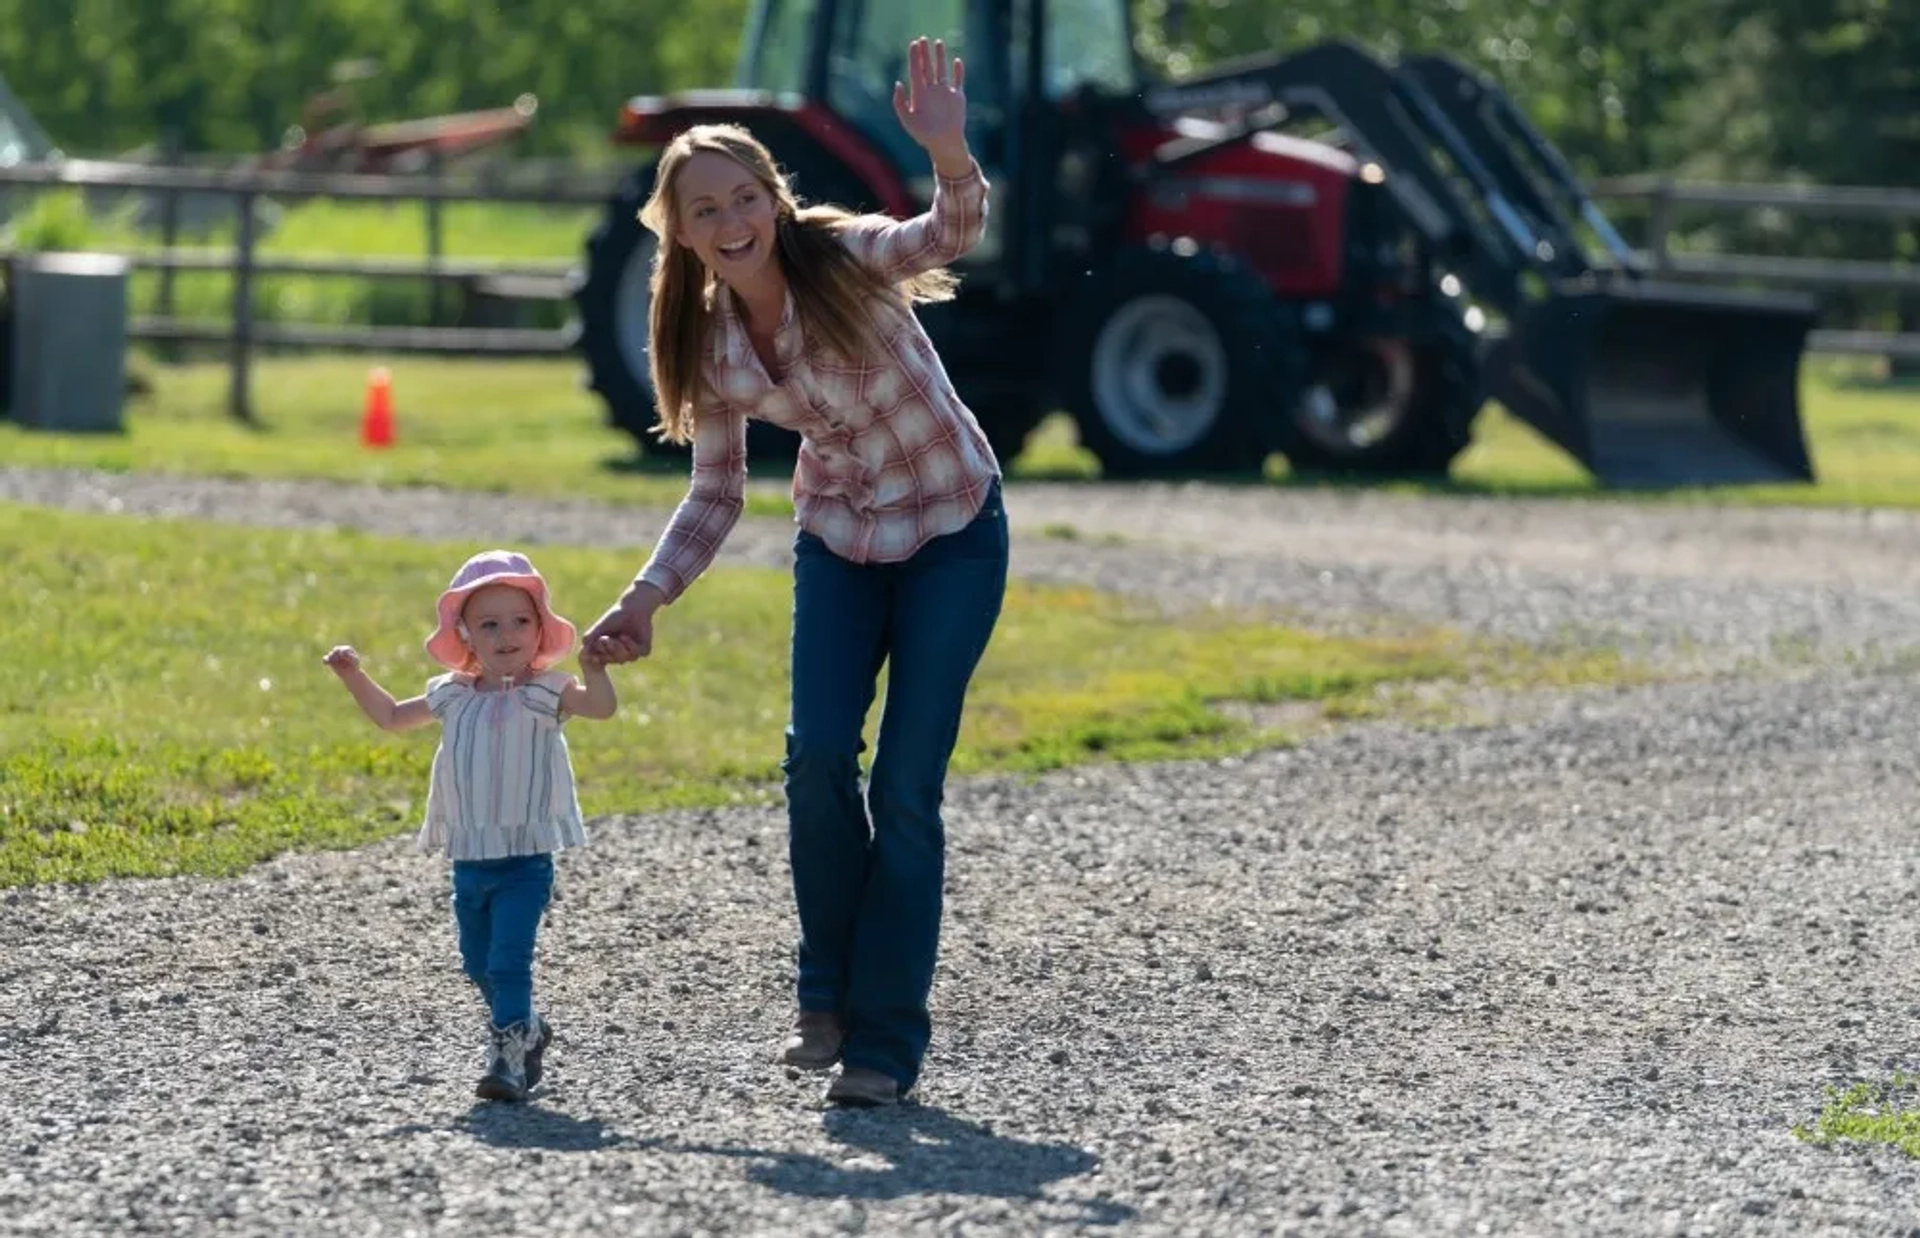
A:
{"x": 1199, "y": 289}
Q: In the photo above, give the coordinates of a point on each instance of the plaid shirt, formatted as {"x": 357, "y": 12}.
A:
{"x": 889, "y": 458}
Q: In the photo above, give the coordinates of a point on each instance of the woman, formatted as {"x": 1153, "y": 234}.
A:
{"x": 802, "y": 317}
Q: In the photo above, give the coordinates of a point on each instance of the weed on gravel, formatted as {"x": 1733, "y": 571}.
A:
{"x": 1867, "y": 1113}
{"x": 166, "y": 710}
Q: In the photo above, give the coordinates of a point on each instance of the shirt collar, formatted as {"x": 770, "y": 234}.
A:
{"x": 732, "y": 345}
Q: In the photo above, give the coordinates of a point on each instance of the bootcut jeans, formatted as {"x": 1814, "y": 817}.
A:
{"x": 868, "y": 873}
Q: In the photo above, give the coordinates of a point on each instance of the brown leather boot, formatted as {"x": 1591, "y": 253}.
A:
{"x": 859, "y": 1086}
{"x": 814, "y": 1043}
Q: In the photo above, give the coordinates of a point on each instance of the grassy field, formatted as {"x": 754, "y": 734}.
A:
{"x": 528, "y": 427}
{"x": 169, "y": 711}
{"x": 519, "y": 427}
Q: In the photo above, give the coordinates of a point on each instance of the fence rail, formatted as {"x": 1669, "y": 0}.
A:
{"x": 557, "y": 185}
{"x": 1839, "y": 201}
{"x": 1664, "y": 196}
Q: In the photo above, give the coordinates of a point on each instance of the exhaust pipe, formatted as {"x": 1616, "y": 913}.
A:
{"x": 1654, "y": 385}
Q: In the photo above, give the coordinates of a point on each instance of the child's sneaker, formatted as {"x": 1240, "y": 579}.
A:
{"x": 506, "y": 1077}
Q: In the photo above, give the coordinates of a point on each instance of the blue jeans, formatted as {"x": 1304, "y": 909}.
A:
{"x": 497, "y": 905}
{"x": 868, "y": 891}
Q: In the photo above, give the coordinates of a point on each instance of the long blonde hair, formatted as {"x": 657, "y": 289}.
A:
{"x": 832, "y": 290}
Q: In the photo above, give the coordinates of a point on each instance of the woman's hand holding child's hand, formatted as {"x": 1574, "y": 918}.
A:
{"x": 595, "y": 698}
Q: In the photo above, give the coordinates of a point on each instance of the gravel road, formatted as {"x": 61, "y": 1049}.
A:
{"x": 1575, "y": 971}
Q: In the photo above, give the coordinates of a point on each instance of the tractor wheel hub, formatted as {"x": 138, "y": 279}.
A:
{"x": 1159, "y": 374}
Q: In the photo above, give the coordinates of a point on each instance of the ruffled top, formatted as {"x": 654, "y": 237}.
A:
{"x": 502, "y": 781}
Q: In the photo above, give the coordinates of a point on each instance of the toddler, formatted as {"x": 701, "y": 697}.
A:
{"x": 501, "y": 798}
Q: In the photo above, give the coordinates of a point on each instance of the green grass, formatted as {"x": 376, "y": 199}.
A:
{"x": 1866, "y": 1113}
{"x": 519, "y": 427}
{"x": 167, "y": 710}
{"x": 529, "y": 427}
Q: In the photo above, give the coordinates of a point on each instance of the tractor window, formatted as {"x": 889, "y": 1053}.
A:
{"x": 869, "y": 55}
{"x": 777, "y": 59}
{"x": 1089, "y": 43}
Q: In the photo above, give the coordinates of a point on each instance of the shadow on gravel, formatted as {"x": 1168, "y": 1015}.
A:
{"x": 527, "y": 1126}
{"x": 921, "y": 1150}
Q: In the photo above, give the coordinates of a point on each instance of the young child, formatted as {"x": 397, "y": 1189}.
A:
{"x": 501, "y": 798}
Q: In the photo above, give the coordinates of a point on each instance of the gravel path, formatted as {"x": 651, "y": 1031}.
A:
{"x": 1578, "y": 972}
{"x": 1578, "y": 975}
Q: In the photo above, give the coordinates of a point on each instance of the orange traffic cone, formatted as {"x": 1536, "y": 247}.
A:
{"x": 376, "y": 422}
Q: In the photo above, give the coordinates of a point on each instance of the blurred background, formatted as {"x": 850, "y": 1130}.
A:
{"x": 1775, "y": 93}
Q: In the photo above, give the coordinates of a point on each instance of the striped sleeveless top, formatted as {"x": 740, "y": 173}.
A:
{"x": 502, "y": 782}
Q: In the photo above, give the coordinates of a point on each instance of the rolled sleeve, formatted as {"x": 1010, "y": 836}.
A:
{"x": 945, "y": 232}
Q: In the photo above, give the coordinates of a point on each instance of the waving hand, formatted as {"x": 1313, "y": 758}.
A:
{"x": 934, "y": 112}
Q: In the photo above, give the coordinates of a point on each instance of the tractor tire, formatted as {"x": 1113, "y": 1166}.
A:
{"x": 1389, "y": 405}
{"x": 611, "y": 303}
{"x": 1175, "y": 361}
{"x": 612, "y": 300}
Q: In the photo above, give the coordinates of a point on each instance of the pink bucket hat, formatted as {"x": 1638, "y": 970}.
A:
{"x": 497, "y": 567}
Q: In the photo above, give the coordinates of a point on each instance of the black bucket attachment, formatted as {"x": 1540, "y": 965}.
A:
{"x": 1656, "y": 385}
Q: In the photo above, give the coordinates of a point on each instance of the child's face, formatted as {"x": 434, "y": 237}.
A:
{"x": 503, "y": 629}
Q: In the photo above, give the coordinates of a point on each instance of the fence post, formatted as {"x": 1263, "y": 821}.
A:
{"x": 169, "y": 237}
{"x": 1660, "y": 224}
{"x": 238, "y": 402}
{"x": 435, "y": 241}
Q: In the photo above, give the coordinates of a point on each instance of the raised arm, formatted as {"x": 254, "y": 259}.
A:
{"x": 378, "y": 704}
{"x": 934, "y": 114}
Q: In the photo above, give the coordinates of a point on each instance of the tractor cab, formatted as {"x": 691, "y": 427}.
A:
{"x": 849, "y": 53}
{"x": 1022, "y": 60}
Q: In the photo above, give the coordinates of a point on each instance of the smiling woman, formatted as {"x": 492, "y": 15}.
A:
{"x": 802, "y": 318}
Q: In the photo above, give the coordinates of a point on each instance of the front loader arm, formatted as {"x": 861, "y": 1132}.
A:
{"x": 1484, "y": 115}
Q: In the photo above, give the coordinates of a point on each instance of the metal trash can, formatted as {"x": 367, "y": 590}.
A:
{"x": 69, "y": 341}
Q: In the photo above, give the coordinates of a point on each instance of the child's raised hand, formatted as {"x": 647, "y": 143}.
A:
{"x": 593, "y": 655}
{"x": 343, "y": 658}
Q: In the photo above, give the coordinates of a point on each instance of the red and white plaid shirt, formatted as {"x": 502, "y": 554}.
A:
{"x": 889, "y": 458}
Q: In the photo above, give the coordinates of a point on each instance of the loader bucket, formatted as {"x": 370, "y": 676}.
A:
{"x": 1657, "y": 385}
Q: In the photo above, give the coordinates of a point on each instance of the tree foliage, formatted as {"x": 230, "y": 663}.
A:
{"x": 1820, "y": 89}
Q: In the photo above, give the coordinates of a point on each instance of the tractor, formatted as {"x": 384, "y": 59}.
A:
{"x": 1318, "y": 254}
